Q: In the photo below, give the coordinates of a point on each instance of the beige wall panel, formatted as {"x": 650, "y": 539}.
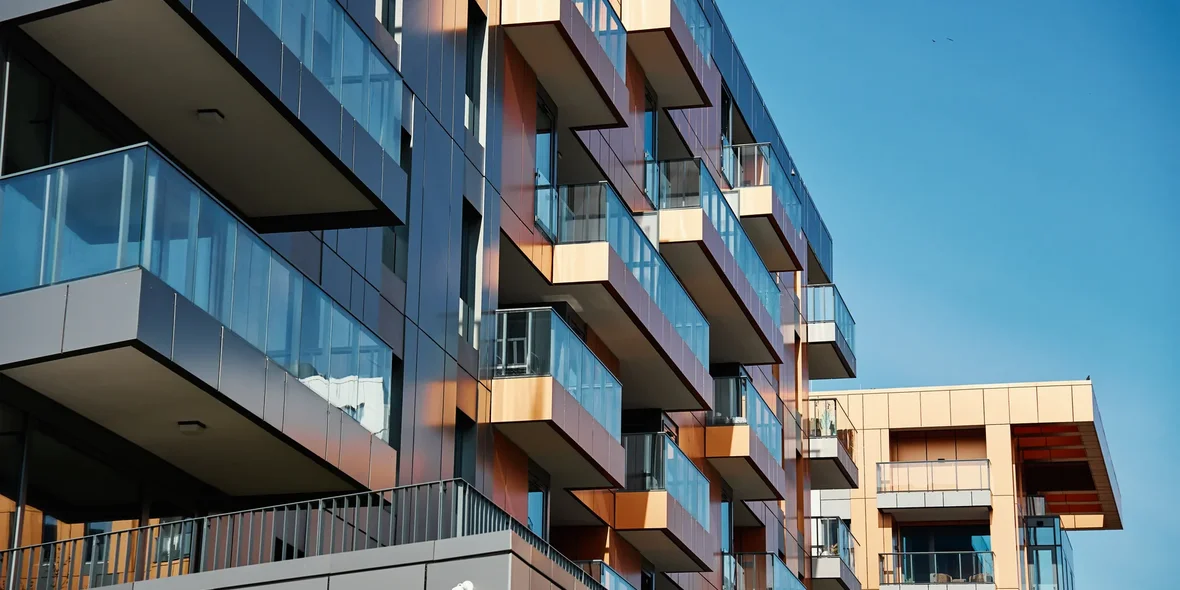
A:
{"x": 1083, "y": 403}
{"x": 905, "y": 410}
{"x": 995, "y": 406}
{"x": 970, "y": 445}
{"x": 874, "y": 452}
{"x": 967, "y": 407}
{"x": 999, "y": 452}
{"x": 1055, "y": 403}
{"x": 936, "y": 408}
{"x": 1022, "y": 405}
{"x": 1003, "y": 532}
{"x": 941, "y": 445}
{"x": 876, "y": 411}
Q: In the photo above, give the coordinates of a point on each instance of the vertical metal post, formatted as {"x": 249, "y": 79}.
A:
{"x": 22, "y": 489}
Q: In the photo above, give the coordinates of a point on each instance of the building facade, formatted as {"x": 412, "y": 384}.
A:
{"x": 975, "y": 486}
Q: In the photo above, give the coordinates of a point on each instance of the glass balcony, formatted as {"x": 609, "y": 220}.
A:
{"x": 949, "y": 567}
{"x": 1050, "y": 554}
{"x": 737, "y": 402}
{"x": 538, "y": 342}
{"x": 324, "y": 38}
{"x": 824, "y": 304}
{"x": 829, "y": 420}
{"x": 733, "y": 577}
{"x": 132, "y": 207}
{"x": 766, "y": 571}
{"x": 933, "y": 476}
{"x": 755, "y": 164}
{"x": 607, "y": 576}
{"x": 818, "y": 236}
{"x": 654, "y": 462}
{"x": 682, "y": 184}
{"x": 575, "y": 214}
{"x": 608, "y": 29}
{"x": 830, "y": 537}
{"x": 698, "y": 26}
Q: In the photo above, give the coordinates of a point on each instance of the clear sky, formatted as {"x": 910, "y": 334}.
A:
{"x": 1004, "y": 207}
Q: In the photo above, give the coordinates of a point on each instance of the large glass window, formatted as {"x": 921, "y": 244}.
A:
{"x": 539, "y": 502}
{"x": 476, "y": 31}
{"x": 546, "y": 169}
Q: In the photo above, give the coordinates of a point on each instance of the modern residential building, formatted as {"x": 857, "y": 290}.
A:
{"x": 972, "y": 487}
{"x": 406, "y": 293}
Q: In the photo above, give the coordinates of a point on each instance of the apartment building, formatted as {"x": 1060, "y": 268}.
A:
{"x": 405, "y": 293}
{"x": 973, "y": 487}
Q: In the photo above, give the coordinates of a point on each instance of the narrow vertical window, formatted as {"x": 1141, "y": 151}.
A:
{"x": 468, "y": 272}
{"x": 476, "y": 28}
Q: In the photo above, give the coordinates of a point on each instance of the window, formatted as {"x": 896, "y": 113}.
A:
{"x": 469, "y": 271}
{"x": 48, "y": 535}
{"x": 476, "y": 31}
{"x": 176, "y": 539}
{"x": 539, "y": 502}
{"x": 94, "y": 549}
{"x": 650, "y": 133}
{"x": 389, "y": 14}
{"x": 465, "y": 447}
{"x": 546, "y": 169}
{"x": 727, "y": 156}
{"x": 726, "y": 521}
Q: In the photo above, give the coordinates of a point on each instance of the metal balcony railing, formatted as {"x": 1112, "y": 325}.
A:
{"x": 339, "y": 524}
{"x": 829, "y": 420}
{"x": 766, "y": 571}
{"x": 944, "y": 567}
{"x": 605, "y": 574}
{"x": 933, "y": 476}
{"x": 830, "y": 537}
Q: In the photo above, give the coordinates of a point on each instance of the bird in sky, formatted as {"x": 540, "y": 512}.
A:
{"x": 949, "y": 39}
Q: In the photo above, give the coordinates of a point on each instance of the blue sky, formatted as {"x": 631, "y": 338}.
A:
{"x": 1004, "y": 207}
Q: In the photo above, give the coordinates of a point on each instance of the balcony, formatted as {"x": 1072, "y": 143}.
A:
{"x": 819, "y": 239}
{"x": 744, "y": 441}
{"x": 288, "y": 136}
{"x": 930, "y": 491}
{"x": 431, "y": 516}
{"x": 833, "y": 555}
{"x": 555, "y": 400}
{"x": 202, "y": 325}
{"x": 766, "y": 571}
{"x": 704, "y": 242}
{"x": 578, "y": 49}
{"x": 663, "y": 510}
{"x": 832, "y": 440}
{"x": 605, "y": 574}
{"x": 614, "y": 277}
{"x": 831, "y": 333}
{"x": 769, "y": 208}
{"x": 673, "y": 41}
{"x": 965, "y": 570}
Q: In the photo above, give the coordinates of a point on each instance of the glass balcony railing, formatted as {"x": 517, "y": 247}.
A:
{"x": 933, "y": 476}
{"x": 766, "y": 571}
{"x": 538, "y": 342}
{"x": 654, "y": 462}
{"x": 698, "y": 26}
{"x": 133, "y": 208}
{"x": 818, "y": 236}
{"x": 1050, "y": 553}
{"x": 829, "y": 420}
{"x": 830, "y": 537}
{"x": 607, "y": 576}
{"x": 575, "y": 214}
{"x": 733, "y": 577}
{"x": 689, "y": 184}
{"x": 608, "y": 28}
{"x": 737, "y": 402}
{"x": 755, "y": 164}
{"x": 824, "y": 304}
{"x": 949, "y": 567}
{"x": 324, "y": 38}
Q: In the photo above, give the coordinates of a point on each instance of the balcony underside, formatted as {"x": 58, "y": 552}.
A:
{"x": 827, "y": 356}
{"x": 831, "y": 466}
{"x": 568, "y": 60}
{"x": 159, "y": 66}
{"x": 740, "y": 328}
{"x": 545, "y": 421}
{"x": 662, "y": 531}
{"x": 770, "y": 230}
{"x": 816, "y": 275}
{"x": 126, "y": 352}
{"x": 831, "y": 573}
{"x": 936, "y": 506}
{"x": 745, "y": 464}
{"x": 669, "y": 56}
{"x": 656, "y": 367}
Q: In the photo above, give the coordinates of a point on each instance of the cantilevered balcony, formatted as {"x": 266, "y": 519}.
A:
{"x": 613, "y": 276}
{"x": 555, "y": 400}
{"x": 819, "y": 239}
{"x": 744, "y": 441}
{"x": 286, "y": 109}
{"x": 578, "y": 49}
{"x": 929, "y": 491}
{"x": 151, "y": 310}
{"x": 766, "y": 571}
{"x": 833, "y": 555}
{"x": 427, "y": 519}
{"x": 968, "y": 570}
{"x": 663, "y": 510}
{"x": 831, "y": 334}
{"x": 673, "y": 41}
{"x": 769, "y": 208}
{"x": 832, "y": 440}
{"x": 605, "y": 574}
{"x": 705, "y": 243}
